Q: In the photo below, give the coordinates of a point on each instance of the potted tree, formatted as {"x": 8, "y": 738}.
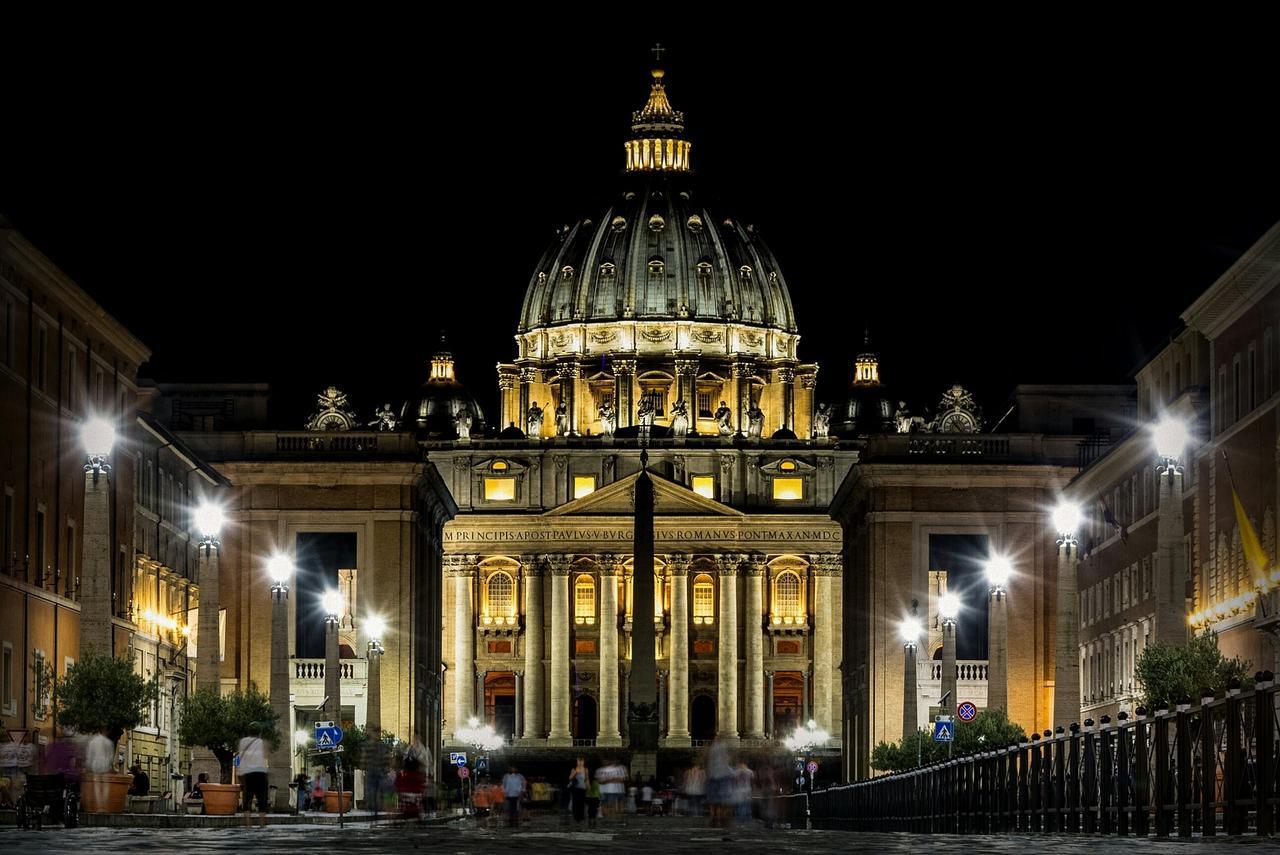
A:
{"x": 103, "y": 696}
{"x": 218, "y": 722}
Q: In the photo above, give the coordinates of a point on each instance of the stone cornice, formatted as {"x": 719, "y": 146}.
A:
{"x": 1252, "y": 276}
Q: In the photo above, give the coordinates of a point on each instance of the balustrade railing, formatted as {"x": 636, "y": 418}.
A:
{"x": 966, "y": 669}
{"x": 1206, "y": 770}
{"x": 313, "y": 669}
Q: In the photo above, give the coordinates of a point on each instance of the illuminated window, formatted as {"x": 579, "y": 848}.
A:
{"x": 499, "y": 489}
{"x": 584, "y": 599}
{"x": 704, "y": 599}
{"x": 787, "y": 604}
{"x": 705, "y": 485}
{"x": 499, "y": 466}
{"x": 658, "y": 595}
{"x": 658, "y": 397}
{"x": 583, "y": 485}
{"x": 788, "y": 489}
{"x": 500, "y": 599}
{"x": 787, "y": 466}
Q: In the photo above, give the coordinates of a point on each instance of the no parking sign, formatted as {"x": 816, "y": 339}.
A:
{"x": 967, "y": 711}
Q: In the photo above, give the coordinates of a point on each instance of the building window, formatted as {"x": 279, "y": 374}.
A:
{"x": 657, "y": 396}
{"x": 40, "y": 683}
{"x": 40, "y": 547}
{"x": 704, "y": 406}
{"x": 705, "y": 485}
{"x": 788, "y": 489}
{"x": 500, "y": 599}
{"x": 1236, "y": 391}
{"x": 42, "y": 358}
{"x": 7, "y": 695}
{"x": 499, "y": 489}
{"x": 787, "y": 604}
{"x": 7, "y": 557}
{"x": 704, "y": 599}
{"x": 584, "y": 599}
{"x": 583, "y": 485}
{"x": 499, "y": 466}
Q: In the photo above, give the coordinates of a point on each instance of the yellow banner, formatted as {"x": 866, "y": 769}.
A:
{"x": 1253, "y": 551}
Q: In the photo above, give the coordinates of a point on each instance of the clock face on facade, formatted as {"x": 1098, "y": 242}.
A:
{"x": 958, "y": 422}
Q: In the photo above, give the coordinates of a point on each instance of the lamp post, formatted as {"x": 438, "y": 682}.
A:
{"x": 948, "y": 611}
{"x": 374, "y": 628}
{"x": 331, "y": 602}
{"x": 280, "y": 569}
{"x": 98, "y": 436}
{"x": 909, "y": 630}
{"x": 483, "y": 738}
{"x": 999, "y": 570}
{"x": 1170, "y": 436}
{"x": 208, "y": 518}
{"x": 802, "y": 742}
{"x": 1066, "y": 663}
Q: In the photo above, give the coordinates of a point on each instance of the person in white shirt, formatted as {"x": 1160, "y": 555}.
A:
{"x": 613, "y": 787}
{"x": 253, "y": 776}
{"x": 513, "y": 788}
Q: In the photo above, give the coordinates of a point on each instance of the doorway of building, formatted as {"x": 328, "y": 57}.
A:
{"x": 702, "y": 718}
{"x": 788, "y": 702}
{"x": 586, "y": 721}
{"x": 500, "y": 702}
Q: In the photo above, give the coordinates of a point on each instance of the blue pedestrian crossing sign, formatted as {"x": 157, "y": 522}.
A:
{"x": 944, "y": 731}
{"x": 327, "y": 736}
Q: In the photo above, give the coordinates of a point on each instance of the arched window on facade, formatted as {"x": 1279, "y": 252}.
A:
{"x": 788, "y": 602}
{"x": 584, "y": 599}
{"x": 500, "y": 599}
{"x": 704, "y": 599}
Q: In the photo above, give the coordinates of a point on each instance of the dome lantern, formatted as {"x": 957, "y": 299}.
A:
{"x": 657, "y": 143}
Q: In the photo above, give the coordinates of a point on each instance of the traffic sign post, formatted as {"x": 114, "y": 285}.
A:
{"x": 457, "y": 758}
{"x": 327, "y": 736}
{"x": 967, "y": 711}
{"x": 944, "y": 729}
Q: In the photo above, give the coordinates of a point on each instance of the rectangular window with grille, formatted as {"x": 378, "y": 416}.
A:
{"x": 657, "y": 397}
{"x": 704, "y": 406}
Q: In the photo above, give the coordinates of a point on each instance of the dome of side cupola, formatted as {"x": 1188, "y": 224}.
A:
{"x": 444, "y": 409}
{"x": 868, "y": 408}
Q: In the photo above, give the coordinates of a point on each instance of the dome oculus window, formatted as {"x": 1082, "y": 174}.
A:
{"x": 607, "y": 269}
{"x": 695, "y": 223}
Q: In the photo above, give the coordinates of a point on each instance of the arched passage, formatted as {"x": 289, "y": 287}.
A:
{"x": 586, "y": 721}
{"x": 702, "y": 717}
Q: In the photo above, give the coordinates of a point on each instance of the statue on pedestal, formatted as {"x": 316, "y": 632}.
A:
{"x": 723, "y": 415}
{"x": 822, "y": 422}
{"x": 645, "y": 412}
{"x": 679, "y": 418}
{"x": 608, "y": 419}
{"x": 533, "y": 420}
{"x": 562, "y": 420}
{"x": 755, "y": 421}
{"x": 462, "y": 423}
{"x": 385, "y": 418}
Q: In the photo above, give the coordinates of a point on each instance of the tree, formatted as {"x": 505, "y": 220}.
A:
{"x": 1171, "y": 673}
{"x": 218, "y": 722}
{"x": 102, "y": 693}
{"x": 989, "y": 728}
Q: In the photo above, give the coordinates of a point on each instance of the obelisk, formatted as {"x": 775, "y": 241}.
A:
{"x": 642, "y": 706}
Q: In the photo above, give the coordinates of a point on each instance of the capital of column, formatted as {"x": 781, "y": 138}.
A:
{"x": 623, "y": 364}
{"x": 680, "y": 570}
{"x": 826, "y": 565}
{"x": 786, "y": 375}
{"x": 567, "y": 369}
{"x": 743, "y": 368}
{"x": 530, "y": 565}
{"x": 809, "y": 379}
{"x": 459, "y": 565}
{"x": 608, "y": 569}
{"x": 686, "y": 366}
{"x": 528, "y": 374}
{"x": 558, "y": 565}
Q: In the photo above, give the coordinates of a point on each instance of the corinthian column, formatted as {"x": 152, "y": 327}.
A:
{"x": 754, "y": 616}
{"x": 823, "y": 639}
{"x": 678, "y": 687}
{"x": 727, "y": 620}
{"x": 787, "y": 382}
{"x": 624, "y": 369}
{"x": 608, "y": 734}
{"x": 559, "y": 696}
{"x": 464, "y": 647}
{"x": 533, "y": 620}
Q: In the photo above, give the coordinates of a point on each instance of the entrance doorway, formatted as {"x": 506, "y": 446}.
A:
{"x": 586, "y": 721}
{"x": 702, "y": 718}
{"x": 788, "y": 702}
{"x": 500, "y": 702}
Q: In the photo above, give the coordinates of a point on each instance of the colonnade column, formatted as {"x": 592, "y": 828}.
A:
{"x": 464, "y": 647}
{"x": 727, "y": 694}
{"x": 687, "y": 386}
{"x": 608, "y": 727}
{"x": 743, "y": 371}
{"x": 823, "y": 640}
{"x": 755, "y": 651}
{"x": 624, "y": 370}
{"x": 567, "y": 372}
{"x": 768, "y": 705}
{"x": 787, "y": 379}
{"x": 528, "y": 376}
{"x": 558, "y": 699}
{"x": 506, "y": 385}
{"x": 534, "y": 727}
{"x": 678, "y": 687}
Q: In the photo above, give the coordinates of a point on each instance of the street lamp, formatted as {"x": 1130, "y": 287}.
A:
{"x": 209, "y": 518}
{"x": 97, "y": 435}
{"x": 1170, "y": 436}
{"x": 374, "y": 628}
{"x": 802, "y": 741}
{"x": 1067, "y": 518}
{"x": 999, "y": 570}
{"x": 948, "y": 610}
{"x": 331, "y": 602}
{"x": 280, "y": 570}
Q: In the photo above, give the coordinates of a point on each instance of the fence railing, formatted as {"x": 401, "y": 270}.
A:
{"x": 1205, "y": 770}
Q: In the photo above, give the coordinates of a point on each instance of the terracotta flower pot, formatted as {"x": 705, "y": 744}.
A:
{"x": 220, "y": 799}
{"x": 331, "y": 801}
{"x": 104, "y": 792}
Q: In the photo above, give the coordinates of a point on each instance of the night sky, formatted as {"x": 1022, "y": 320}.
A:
{"x": 308, "y": 211}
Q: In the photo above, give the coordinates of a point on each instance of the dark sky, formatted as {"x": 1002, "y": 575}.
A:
{"x": 315, "y": 208}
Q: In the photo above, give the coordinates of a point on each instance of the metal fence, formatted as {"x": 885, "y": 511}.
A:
{"x": 1205, "y": 770}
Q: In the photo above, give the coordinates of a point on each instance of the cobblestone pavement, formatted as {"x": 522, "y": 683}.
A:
{"x": 640, "y": 835}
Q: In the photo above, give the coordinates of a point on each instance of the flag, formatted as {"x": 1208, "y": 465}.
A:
{"x": 1254, "y": 554}
{"x": 1110, "y": 519}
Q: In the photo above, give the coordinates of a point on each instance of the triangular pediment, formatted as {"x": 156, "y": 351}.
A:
{"x": 669, "y": 499}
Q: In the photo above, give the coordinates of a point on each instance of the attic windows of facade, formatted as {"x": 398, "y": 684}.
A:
{"x": 499, "y": 599}
{"x": 787, "y": 466}
{"x": 499, "y": 466}
{"x": 705, "y": 486}
{"x": 583, "y": 485}
{"x": 584, "y": 600}
{"x": 704, "y": 599}
{"x": 704, "y": 270}
{"x": 788, "y": 601}
{"x": 657, "y": 395}
{"x": 657, "y": 267}
{"x": 788, "y": 489}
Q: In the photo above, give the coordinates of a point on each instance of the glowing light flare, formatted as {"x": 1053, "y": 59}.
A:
{"x": 280, "y": 568}
{"x": 209, "y": 518}
{"x": 999, "y": 571}
{"x": 98, "y": 435}
{"x": 375, "y": 628}
{"x": 1067, "y": 517}
{"x": 805, "y": 738}
{"x": 910, "y": 629}
{"x": 331, "y": 602}
{"x": 949, "y": 606}
{"x": 1170, "y": 436}
{"x": 159, "y": 619}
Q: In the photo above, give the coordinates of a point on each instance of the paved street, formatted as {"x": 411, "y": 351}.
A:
{"x": 645, "y": 835}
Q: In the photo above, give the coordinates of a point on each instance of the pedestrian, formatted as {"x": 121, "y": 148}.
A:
{"x": 743, "y": 783}
{"x": 646, "y": 797}
{"x": 593, "y": 801}
{"x": 578, "y": 789}
{"x": 513, "y": 789}
{"x": 253, "y": 773}
{"x": 141, "y": 785}
{"x": 719, "y": 782}
{"x": 319, "y": 784}
{"x": 613, "y": 787}
{"x": 695, "y": 789}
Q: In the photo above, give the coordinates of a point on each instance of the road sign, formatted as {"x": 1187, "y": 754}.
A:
{"x": 457, "y": 758}
{"x": 464, "y": 772}
{"x": 967, "y": 711}
{"x": 812, "y": 767}
{"x": 327, "y": 736}
{"x": 944, "y": 731}
{"x": 482, "y": 765}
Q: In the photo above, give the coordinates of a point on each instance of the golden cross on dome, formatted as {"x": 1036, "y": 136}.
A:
{"x": 657, "y": 52}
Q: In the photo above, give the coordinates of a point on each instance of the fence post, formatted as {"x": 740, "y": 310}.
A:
{"x": 1141, "y": 774}
{"x": 1208, "y": 768}
{"x": 1106, "y": 774}
{"x": 1033, "y": 784}
{"x": 1073, "y": 778}
{"x": 1264, "y": 748}
{"x": 1233, "y": 782}
{"x": 1122, "y": 775}
{"x": 1059, "y": 779}
{"x": 1089, "y": 790}
{"x": 1022, "y": 823}
{"x": 1046, "y": 781}
{"x": 1183, "y": 771}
